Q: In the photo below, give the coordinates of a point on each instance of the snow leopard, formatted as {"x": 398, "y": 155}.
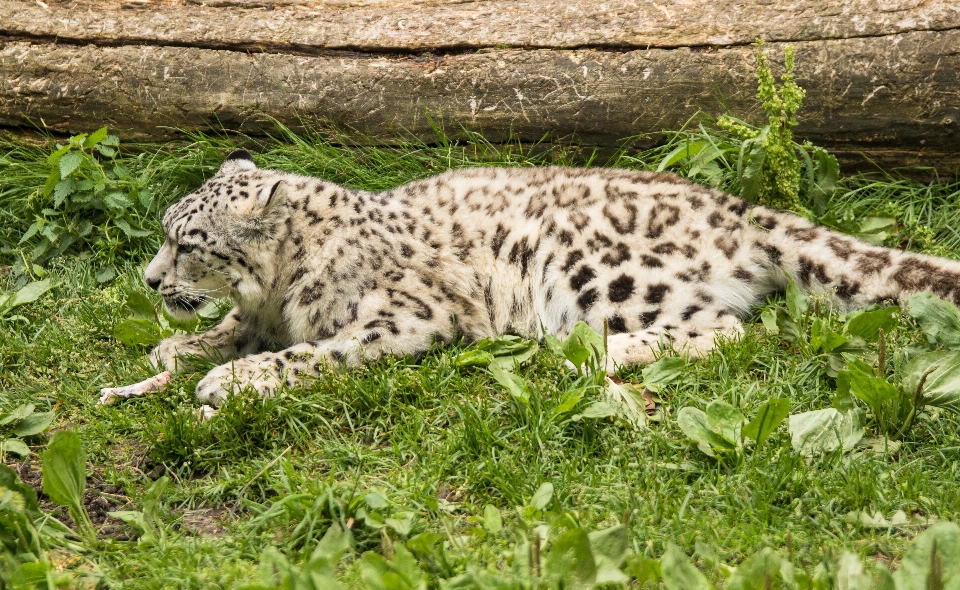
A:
{"x": 322, "y": 275}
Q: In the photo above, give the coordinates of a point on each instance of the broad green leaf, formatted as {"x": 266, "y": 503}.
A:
{"x": 764, "y": 569}
{"x": 140, "y": 306}
{"x": 69, "y": 162}
{"x": 506, "y": 351}
{"x": 822, "y": 173}
{"x": 568, "y": 402}
{"x": 31, "y": 231}
{"x": 824, "y": 431}
{"x": 876, "y": 392}
{"x": 867, "y": 325}
{"x": 15, "y": 446}
{"x": 95, "y": 137}
{"x": 105, "y": 274}
{"x": 64, "y": 470}
{"x": 582, "y": 343}
{"x": 797, "y": 302}
{"x": 597, "y": 410}
{"x": 664, "y": 371}
{"x": 749, "y": 165}
{"x": 335, "y": 542}
{"x": 914, "y": 572}
{"x": 62, "y": 190}
{"x": 33, "y": 424}
{"x": 52, "y": 180}
{"x": 570, "y": 562}
{"x": 505, "y": 345}
{"x": 190, "y": 324}
{"x": 542, "y": 496}
{"x": 824, "y": 339}
{"x": 851, "y": 574}
{"x": 685, "y": 150}
{"x": 875, "y": 230}
{"x": 137, "y": 332}
{"x": 405, "y": 566}
{"x": 725, "y": 420}
{"x": 473, "y": 358}
{"x": 32, "y": 575}
{"x": 26, "y": 496}
{"x": 678, "y": 573}
{"x": 939, "y": 319}
{"x": 769, "y": 318}
{"x": 492, "y": 520}
{"x": 19, "y": 413}
{"x": 768, "y": 418}
{"x": 610, "y": 548}
{"x": 553, "y": 344}
{"x": 129, "y": 230}
{"x": 427, "y": 544}
{"x": 134, "y": 518}
{"x": 54, "y": 158}
{"x": 644, "y": 570}
{"x": 695, "y": 424}
{"x": 29, "y": 293}
{"x": 401, "y": 522}
{"x": 155, "y": 530}
{"x": 942, "y": 386}
{"x": 514, "y": 385}
{"x": 376, "y": 500}
{"x": 628, "y": 400}
{"x": 373, "y": 568}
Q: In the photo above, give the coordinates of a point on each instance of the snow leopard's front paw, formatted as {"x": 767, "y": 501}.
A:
{"x": 165, "y": 355}
{"x": 258, "y": 372}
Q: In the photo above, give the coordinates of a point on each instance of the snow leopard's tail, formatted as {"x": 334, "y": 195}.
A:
{"x": 856, "y": 273}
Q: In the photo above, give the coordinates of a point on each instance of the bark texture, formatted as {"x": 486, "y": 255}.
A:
{"x": 882, "y": 77}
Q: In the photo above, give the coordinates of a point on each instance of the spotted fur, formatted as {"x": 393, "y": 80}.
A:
{"x": 321, "y": 274}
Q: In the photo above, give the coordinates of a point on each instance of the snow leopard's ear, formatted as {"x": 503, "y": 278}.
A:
{"x": 271, "y": 198}
{"x": 237, "y": 160}
{"x": 265, "y": 214}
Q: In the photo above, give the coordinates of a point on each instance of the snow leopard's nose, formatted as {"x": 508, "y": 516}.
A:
{"x": 153, "y": 283}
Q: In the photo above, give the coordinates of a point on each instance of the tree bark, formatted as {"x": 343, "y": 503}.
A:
{"x": 882, "y": 77}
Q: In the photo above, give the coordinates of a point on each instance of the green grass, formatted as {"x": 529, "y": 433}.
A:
{"x": 437, "y": 442}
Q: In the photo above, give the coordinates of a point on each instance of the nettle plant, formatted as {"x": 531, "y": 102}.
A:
{"x": 89, "y": 199}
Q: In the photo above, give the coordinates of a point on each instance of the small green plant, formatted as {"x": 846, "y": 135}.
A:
{"x": 800, "y": 323}
{"x": 767, "y": 165}
{"x": 930, "y": 379}
{"x": 26, "y": 294}
{"x": 584, "y": 350}
{"x": 854, "y": 351}
{"x": 19, "y": 424}
{"x": 723, "y": 429}
{"x": 91, "y": 198}
{"x": 64, "y": 466}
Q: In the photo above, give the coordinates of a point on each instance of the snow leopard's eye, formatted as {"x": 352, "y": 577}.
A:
{"x": 186, "y": 248}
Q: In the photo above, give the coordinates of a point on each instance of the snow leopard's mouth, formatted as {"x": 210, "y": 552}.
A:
{"x": 184, "y": 307}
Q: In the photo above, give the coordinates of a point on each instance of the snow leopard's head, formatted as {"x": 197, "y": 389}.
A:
{"x": 219, "y": 239}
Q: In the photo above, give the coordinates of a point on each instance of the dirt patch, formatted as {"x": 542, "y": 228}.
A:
{"x": 205, "y": 522}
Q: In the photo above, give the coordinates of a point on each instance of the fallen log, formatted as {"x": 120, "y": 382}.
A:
{"x": 882, "y": 78}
